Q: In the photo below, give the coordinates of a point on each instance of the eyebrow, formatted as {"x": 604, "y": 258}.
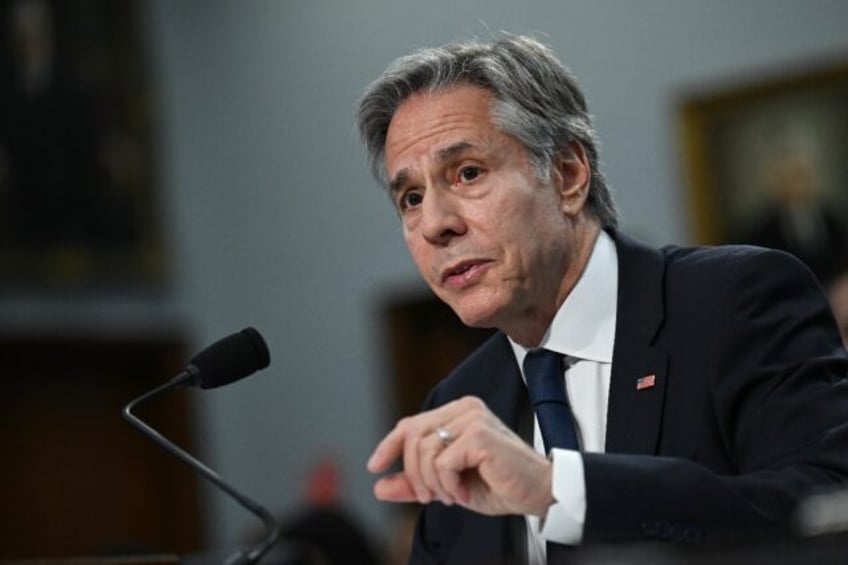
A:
{"x": 442, "y": 155}
{"x": 452, "y": 151}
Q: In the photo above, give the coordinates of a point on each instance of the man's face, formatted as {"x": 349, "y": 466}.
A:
{"x": 492, "y": 240}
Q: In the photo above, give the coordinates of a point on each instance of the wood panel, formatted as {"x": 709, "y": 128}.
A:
{"x": 426, "y": 341}
{"x": 77, "y": 479}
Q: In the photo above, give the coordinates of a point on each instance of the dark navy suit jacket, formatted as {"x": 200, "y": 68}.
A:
{"x": 748, "y": 414}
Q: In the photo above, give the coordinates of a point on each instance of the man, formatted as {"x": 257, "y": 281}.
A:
{"x": 705, "y": 391}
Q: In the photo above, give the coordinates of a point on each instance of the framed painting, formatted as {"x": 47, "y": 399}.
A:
{"x": 78, "y": 205}
{"x": 765, "y": 163}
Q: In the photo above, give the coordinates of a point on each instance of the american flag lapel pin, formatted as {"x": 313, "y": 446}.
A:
{"x": 646, "y": 382}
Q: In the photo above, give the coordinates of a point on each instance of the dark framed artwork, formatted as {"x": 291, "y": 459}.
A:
{"x": 766, "y": 163}
{"x": 78, "y": 200}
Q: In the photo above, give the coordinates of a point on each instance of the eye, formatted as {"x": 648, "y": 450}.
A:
{"x": 410, "y": 199}
{"x": 469, "y": 173}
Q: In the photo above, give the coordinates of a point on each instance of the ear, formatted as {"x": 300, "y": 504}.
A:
{"x": 573, "y": 173}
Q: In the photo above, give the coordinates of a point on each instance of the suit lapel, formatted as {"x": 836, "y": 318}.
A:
{"x": 638, "y": 380}
{"x": 506, "y": 394}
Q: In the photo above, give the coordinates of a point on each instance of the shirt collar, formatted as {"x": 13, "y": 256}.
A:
{"x": 584, "y": 326}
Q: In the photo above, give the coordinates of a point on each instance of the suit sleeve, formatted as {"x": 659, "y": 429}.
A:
{"x": 778, "y": 383}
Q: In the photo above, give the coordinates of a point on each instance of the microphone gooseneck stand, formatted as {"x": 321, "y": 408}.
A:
{"x": 244, "y": 557}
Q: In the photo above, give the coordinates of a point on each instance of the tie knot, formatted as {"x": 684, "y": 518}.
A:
{"x": 544, "y": 374}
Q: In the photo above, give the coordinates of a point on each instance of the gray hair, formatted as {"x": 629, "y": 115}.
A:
{"x": 537, "y": 101}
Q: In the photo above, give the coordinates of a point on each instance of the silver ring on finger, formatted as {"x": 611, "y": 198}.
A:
{"x": 445, "y": 435}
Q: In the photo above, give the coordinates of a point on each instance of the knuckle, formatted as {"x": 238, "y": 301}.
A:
{"x": 408, "y": 426}
{"x": 473, "y": 404}
{"x": 403, "y": 423}
{"x": 476, "y": 403}
{"x": 476, "y": 429}
{"x": 442, "y": 465}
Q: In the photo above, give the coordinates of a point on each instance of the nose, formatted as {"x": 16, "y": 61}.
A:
{"x": 441, "y": 219}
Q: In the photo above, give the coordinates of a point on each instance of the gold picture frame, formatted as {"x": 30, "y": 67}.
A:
{"x": 756, "y": 147}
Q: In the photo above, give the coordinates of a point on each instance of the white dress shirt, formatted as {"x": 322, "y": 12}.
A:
{"x": 583, "y": 330}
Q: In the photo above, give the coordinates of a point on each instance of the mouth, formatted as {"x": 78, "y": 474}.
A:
{"x": 464, "y": 273}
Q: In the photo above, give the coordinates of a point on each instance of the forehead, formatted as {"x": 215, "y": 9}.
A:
{"x": 429, "y": 121}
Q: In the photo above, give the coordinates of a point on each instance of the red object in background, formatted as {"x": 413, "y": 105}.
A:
{"x": 323, "y": 483}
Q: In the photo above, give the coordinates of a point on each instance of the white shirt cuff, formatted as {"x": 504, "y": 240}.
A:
{"x": 566, "y": 516}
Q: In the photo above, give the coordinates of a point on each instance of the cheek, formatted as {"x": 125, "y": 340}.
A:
{"x": 421, "y": 256}
{"x": 533, "y": 238}
{"x": 517, "y": 222}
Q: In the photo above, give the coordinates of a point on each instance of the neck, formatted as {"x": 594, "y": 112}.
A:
{"x": 532, "y": 329}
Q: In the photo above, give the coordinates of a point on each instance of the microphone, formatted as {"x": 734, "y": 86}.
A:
{"x": 229, "y": 359}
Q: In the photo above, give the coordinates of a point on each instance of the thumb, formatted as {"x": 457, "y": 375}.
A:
{"x": 394, "y": 488}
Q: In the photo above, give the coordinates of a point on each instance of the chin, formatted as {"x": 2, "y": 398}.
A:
{"x": 476, "y": 314}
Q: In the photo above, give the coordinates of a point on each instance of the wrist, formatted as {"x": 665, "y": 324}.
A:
{"x": 546, "y": 489}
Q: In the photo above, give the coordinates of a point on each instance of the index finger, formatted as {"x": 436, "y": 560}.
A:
{"x": 391, "y": 447}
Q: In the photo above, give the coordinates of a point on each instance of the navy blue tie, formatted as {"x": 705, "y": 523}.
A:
{"x": 543, "y": 371}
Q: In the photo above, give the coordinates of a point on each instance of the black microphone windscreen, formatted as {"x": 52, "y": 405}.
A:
{"x": 231, "y": 358}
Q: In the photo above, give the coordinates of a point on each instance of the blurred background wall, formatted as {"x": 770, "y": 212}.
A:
{"x": 271, "y": 218}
